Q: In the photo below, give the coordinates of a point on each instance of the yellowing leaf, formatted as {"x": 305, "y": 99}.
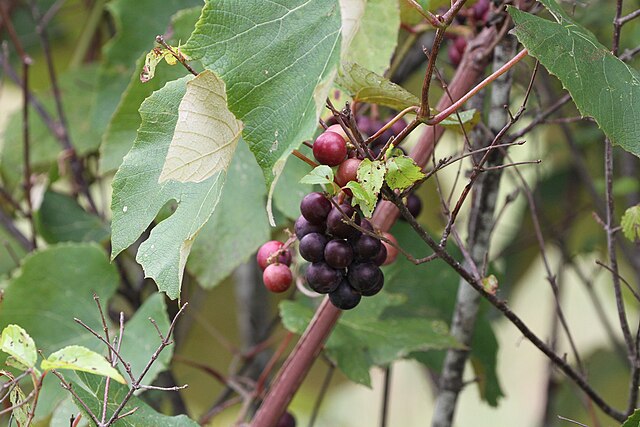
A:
{"x": 206, "y": 134}
{"x": 17, "y": 342}
{"x": 80, "y": 358}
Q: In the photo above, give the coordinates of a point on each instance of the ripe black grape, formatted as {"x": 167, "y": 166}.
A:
{"x": 377, "y": 287}
{"x": 338, "y": 228}
{"x": 322, "y": 278}
{"x": 381, "y": 257}
{"x": 366, "y": 247}
{"x": 364, "y": 276}
{"x": 345, "y": 297}
{"x": 315, "y": 207}
{"x": 304, "y": 227}
{"x": 312, "y": 247}
{"x": 338, "y": 253}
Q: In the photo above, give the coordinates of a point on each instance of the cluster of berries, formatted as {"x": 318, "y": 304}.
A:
{"x": 344, "y": 261}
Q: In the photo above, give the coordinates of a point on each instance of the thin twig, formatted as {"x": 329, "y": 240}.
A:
{"x": 179, "y": 56}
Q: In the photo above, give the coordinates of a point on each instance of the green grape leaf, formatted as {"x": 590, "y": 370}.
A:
{"x": 137, "y": 23}
{"x": 363, "y": 198}
{"x": 238, "y": 226}
{"x": 366, "y": 86}
{"x": 61, "y": 219}
{"x": 402, "y": 172}
{"x": 137, "y": 196}
{"x": 371, "y": 176}
{"x": 140, "y": 338}
{"x": 322, "y": 174}
{"x": 78, "y": 358}
{"x": 121, "y": 131}
{"x": 362, "y": 339}
{"x": 633, "y": 420}
{"x": 601, "y": 85}
{"x": 16, "y": 397}
{"x": 630, "y": 223}
{"x": 378, "y": 27}
{"x": 206, "y": 134}
{"x": 92, "y": 394}
{"x": 293, "y": 50}
{"x": 17, "y": 342}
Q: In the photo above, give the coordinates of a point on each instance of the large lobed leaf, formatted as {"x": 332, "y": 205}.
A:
{"x": 272, "y": 56}
{"x": 601, "y": 85}
{"x": 137, "y": 196}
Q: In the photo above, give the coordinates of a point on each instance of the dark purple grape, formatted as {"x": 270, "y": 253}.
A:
{"x": 381, "y": 257}
{"x": 312, "y": 247}
{"x": 304, "y": 227}
{"x": 345, "y": 297}
{"x": 414, "y": 205}
{"x": 286, "y": 420}
{"x": 364, "y": 276}
{"x": 315, "y": 207}
{"x": 481, "y": 10}
{"x": 366, "y": 247}
{"x": 374, "y": 289}
{"x": 338, "y": 253}
{"x": 322, "y": 278}
{"x": 336, "y": 227}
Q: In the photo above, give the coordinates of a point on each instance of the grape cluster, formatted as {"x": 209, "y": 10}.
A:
{"x": 274, "y": 260}
{"x": 345, "y": 263}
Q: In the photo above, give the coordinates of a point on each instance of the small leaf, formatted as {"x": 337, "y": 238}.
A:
{"x": 322, "y": 174}
{"x": 17, "y": 342}
{"x": 151, "y": 61}
{"x": 206, "y": 133}
{"x": 16, "y": 397}
{"x": 402, "y": 172}
{"x": 366, "y": 200}
{"x": 78, "y": 358}
{"x": 630, "y": 223}
{"x": 371, "y": 176}
{"x": 366, "y": 86}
